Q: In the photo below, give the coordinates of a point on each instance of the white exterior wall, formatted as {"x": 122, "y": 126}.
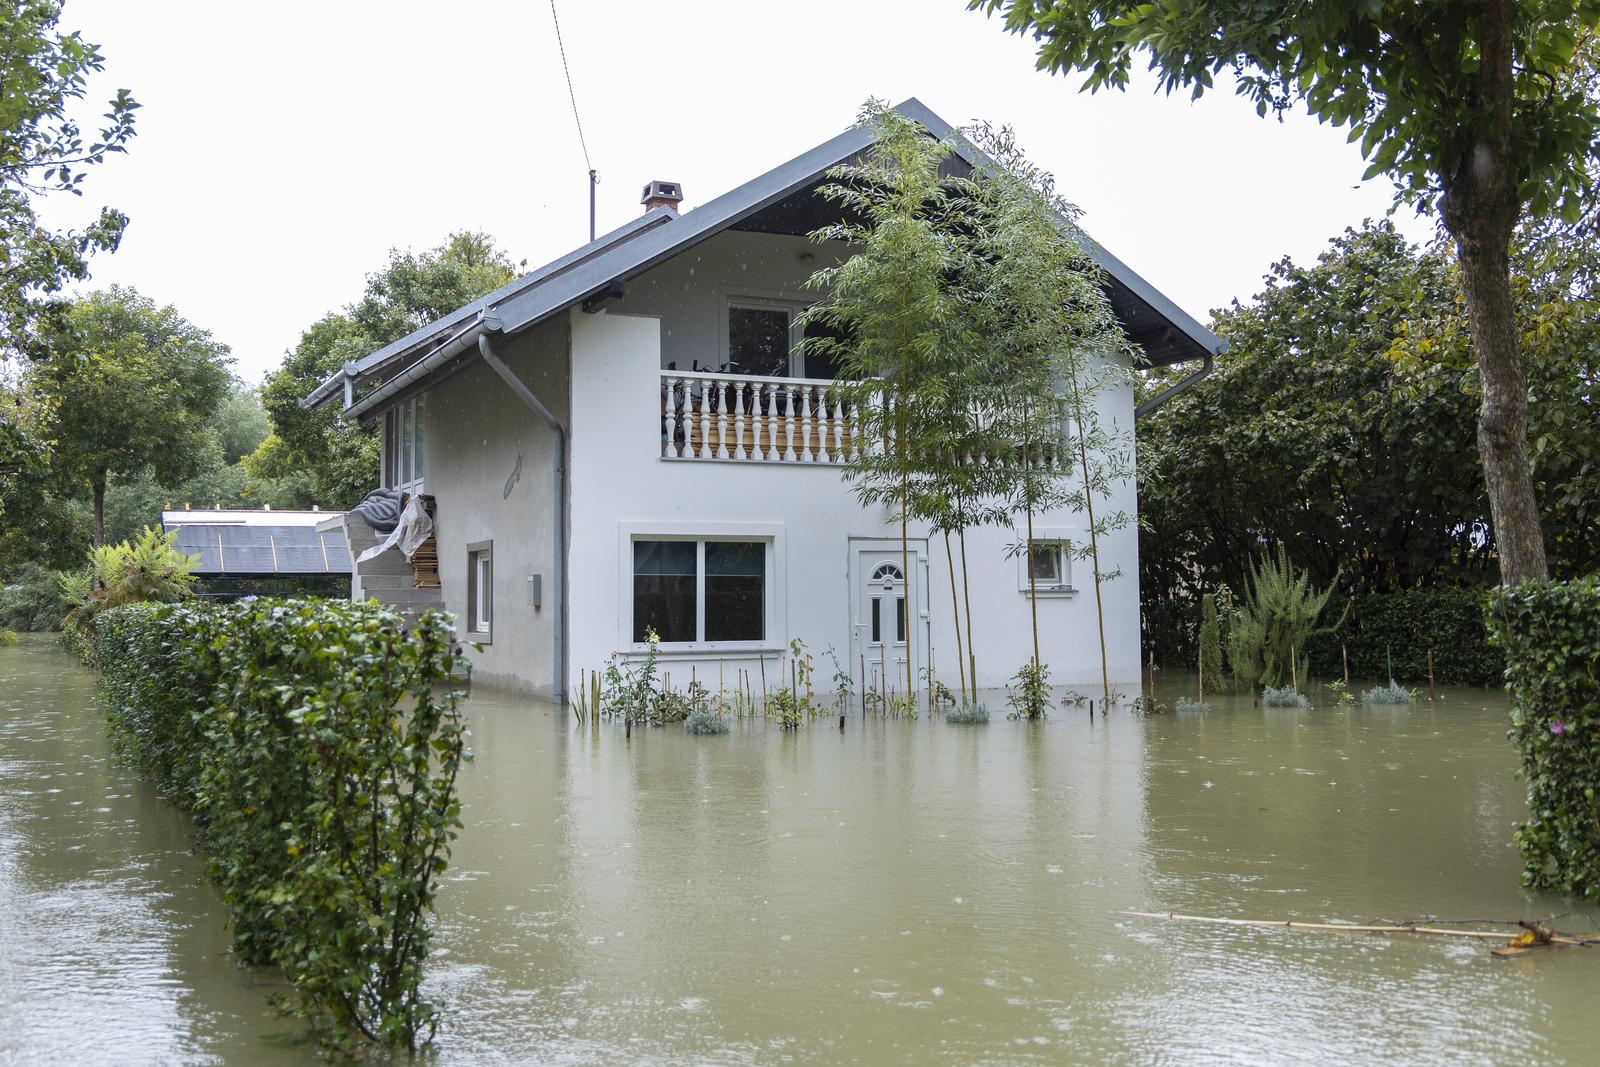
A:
{"x": 621, "y": 487}
{"x": 488, "y": 467}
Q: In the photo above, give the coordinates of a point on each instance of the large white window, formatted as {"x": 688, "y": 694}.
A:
{"x": 403, "y": 439}
{"x": 480, "y": 589}
{"x": 694, "y": 591}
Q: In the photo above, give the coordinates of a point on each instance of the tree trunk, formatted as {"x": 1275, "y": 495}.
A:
{"x": 99, "y": 511}
{"x": 1480, "y": 207}
{"x": 972, "y": 638}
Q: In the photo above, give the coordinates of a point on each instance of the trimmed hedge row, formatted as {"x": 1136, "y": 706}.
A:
{"x": 1550, "y": 635}
{"x": 1408, "y": 625}
{"x": 310, "y": 742}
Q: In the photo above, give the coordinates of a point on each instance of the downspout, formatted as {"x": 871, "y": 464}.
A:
{"x": 558, "y": 568}
{"x": 1183, "y": 385}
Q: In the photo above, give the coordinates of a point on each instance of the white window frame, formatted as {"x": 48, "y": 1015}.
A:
{"x": 765, "y": 300}
{"x": 773, "y": 637}
{"x": 480, "y": 609}
{"x": 399, "y": 445}
{"x": 1062, "y": 541}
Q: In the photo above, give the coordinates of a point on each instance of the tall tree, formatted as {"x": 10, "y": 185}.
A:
{"x": 1471, "y": 105}
{"x": 1043, "y": 347}
{"x": 43, "y": 74}
{"x": 340, "y": 457}
{"x": 131, "y": 388}
{"x": 891, "y": 322}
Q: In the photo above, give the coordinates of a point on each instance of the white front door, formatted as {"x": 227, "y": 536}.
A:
{"x": 889, "y": 613}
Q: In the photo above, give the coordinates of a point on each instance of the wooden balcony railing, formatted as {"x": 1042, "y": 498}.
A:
{"x": 738, "y": 418}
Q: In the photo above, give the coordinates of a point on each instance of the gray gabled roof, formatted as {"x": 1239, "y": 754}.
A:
{"x": 1168, "y": 334}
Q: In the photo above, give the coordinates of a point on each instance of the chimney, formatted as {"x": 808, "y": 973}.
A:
{"x": 662, "y": 194}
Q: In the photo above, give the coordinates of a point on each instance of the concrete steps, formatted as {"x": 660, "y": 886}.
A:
{"x": 389, "y": 578}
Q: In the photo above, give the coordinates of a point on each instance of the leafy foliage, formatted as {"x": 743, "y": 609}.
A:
{"x": 1402, "y": 77}
{"x": 31, "y": 602}
{"x": 43, "y": 75}
{"x": 1396, "y": 631}
{"x": 1278, "y": 614}
{"x": 131, "y": 388}
{"x": 411, "y": 291}
{"x": 1481, "y": 109}
{"x": 1188, "y": 705}
{"x": 147, "y": 569}
{"x": 1308, "y": 432}
{"x": 1552, "y": 649}
{"x": 1030, "y": 699}
{"x": 318, "y": 755}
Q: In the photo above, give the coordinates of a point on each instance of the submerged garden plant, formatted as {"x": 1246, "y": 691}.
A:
{"x": 1393, "y": 693}
{"x": 967, "y": 713}
{"x": 1280, "y": 612}
{"x": 1283, "y": 697}
{"x": 1030, "y": 698}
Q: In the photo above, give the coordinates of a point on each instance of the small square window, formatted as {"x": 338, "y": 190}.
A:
{"x": 1048, "y": 567}
{"x": 480, "y": 589}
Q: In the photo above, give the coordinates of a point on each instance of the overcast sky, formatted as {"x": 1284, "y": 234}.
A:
{"x": 284, "y": 148}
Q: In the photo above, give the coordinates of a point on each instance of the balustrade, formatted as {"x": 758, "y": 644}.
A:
{"x": 750, "y": 419}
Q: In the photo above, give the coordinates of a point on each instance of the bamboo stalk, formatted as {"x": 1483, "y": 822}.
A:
{"x": 955, "y": 611}
{"x": 1350, "y": 928}
{"x": 763, "y": 683}
{"x": 1430, "y": 676}
{"x": 1345, "y": 652}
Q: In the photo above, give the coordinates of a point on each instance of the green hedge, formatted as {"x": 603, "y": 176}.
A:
{"x": 1550, "y": 633}
{"x": 1408, "y": 625}
{"x": 318, "y": 755}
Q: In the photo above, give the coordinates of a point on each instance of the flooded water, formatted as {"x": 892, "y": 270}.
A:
{"x": 900, "y": 893}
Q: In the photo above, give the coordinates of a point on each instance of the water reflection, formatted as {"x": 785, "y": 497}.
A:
{"x": 898, "y": 893}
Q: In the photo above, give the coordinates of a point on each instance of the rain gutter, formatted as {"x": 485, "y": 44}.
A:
{"x": 1183, "y": 385}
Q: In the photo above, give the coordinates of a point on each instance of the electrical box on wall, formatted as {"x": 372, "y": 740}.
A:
{"x": 535, "y": 591}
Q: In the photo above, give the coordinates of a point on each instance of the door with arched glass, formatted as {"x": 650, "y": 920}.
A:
{"x": 889, "y": 623}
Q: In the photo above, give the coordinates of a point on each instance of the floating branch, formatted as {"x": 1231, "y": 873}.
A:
{"x": 1534, "y": 934}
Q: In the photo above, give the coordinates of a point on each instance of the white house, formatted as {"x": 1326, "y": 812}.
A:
{"x": 626, "y": 438}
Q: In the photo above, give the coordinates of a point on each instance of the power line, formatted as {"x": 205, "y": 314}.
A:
{"x": 570, "y": 94}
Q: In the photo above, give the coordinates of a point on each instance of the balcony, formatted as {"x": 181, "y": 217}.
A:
{"x": 739, "y": 418}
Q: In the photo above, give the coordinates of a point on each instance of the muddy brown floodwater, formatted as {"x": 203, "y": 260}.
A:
{"x": 900, "y": 893}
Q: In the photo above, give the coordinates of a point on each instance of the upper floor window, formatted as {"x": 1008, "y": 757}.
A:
{"x": 403, "y": 438}
{"x": 764, "y": 338}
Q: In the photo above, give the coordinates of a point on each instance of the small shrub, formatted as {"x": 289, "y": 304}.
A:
{"x": 785, "y": 710}
{"x": 146, "y": 570}
{"x": 1393, "y": 693}
{"x": 1547, "y": 633}
{"x": 705, "y": 720}
{"x": 7, "y": 637}
{"x": 967, "y": 713}
{"x": 1074, "y": 699}
{"x": 1144, "y": 704}
{"x": 1286, "y": 697}
{"x": 1031, "y": 697}
{"x": 1341, "y": 693}
{"x": 1185, "y": 705}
